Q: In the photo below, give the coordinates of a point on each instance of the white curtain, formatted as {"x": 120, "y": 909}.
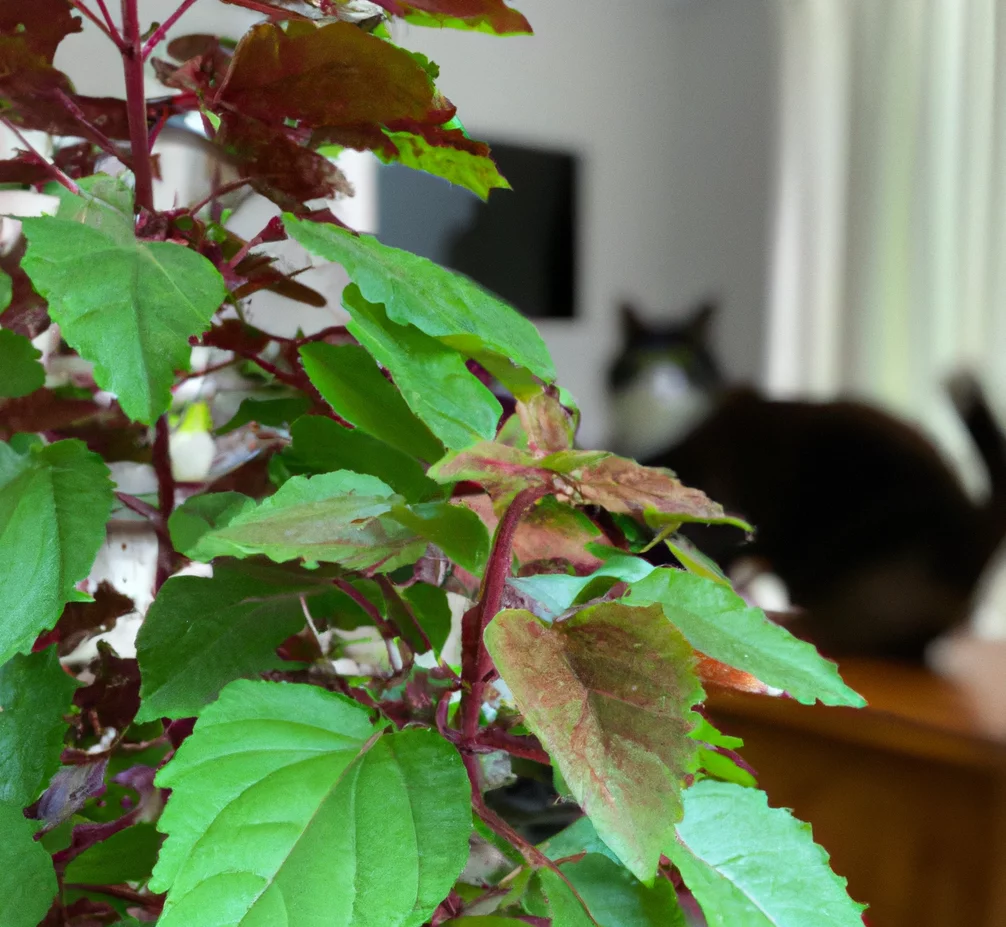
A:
{"x": 889, "y": 258}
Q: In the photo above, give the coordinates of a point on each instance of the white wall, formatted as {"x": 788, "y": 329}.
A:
{"x": 670, "y": 104}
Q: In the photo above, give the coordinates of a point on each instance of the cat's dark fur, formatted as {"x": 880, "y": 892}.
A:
{"x": 856, "y": 511}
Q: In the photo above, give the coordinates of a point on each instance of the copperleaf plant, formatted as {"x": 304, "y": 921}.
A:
{"x": 301, "y": 738}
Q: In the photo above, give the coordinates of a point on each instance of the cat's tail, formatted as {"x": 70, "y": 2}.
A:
{"x": 972, "y": 406}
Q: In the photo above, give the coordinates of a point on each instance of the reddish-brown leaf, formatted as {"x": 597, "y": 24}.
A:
{"x": 490, "y": 15}
{"x": 28, "y": 313}
{"x": 114, "y": 697}
{"x": 581, "y": 477}
{"x": 82, "y": 619}
{"x": 235, "y": 335}
{"x": 553, "y": 533}
{"x": 44, "y": 410}
{"x": 204, "y": 63}
{"x": 40, "y": 24}
{"x": 609, "y": 692}
{"x": 25, "y": 170}
{"x": 549, "y": 426}
{"x": 333, "y": 75}
{"x": 280, "y": 169}
{"x": 712, "y": 672}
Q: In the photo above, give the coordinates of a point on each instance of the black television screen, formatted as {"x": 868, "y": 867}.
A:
{"x": 521, "y": 244}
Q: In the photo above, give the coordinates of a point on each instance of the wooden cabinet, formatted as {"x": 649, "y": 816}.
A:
{"x": 908, "y": 795}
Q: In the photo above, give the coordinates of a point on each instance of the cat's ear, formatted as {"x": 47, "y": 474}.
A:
{"x": 632, "y": 322}
{"x": 700, "y": 325}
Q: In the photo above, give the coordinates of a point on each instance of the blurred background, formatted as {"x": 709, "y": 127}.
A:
{"x": 832, "y": 175}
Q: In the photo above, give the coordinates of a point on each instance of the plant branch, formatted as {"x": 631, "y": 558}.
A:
{"x": 390, "y": 592}
{"x": 96, "y": 135}
{"x": 107, "y": 17}
{"x": 61, "y": 177}
{"x": 501, "y": 828}
{"x": 165, "y": 497}
{"x": 475, "y": 662}
{"x": 163, "y": 28}
{"x": 110, "y": 31}
{"x": 120, "y": 891}
{"x": 386, "y": 628}
{"x": 526, "y": 748}
{"x": 140, "y": 507}
{"x": 217, "y": 192}
{"x": 206, "y": 371}
{"x": 136, "y": 104}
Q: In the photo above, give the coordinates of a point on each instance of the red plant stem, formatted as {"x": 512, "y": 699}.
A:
{"x": 273, "y": 12}
{"x": 387, "y": 629}
{"x": 495, "y": 823}
{"x": 52, "y": 168}
{"x": 96, "y": 135}
{"x": 107, "y": 16}
{"x": 526, "y": 748}
{"x": 136, "y": 104}
{"x": 165, "y": 497}
{"x": 163, "y": 28}
{"x": 217, "y": 192}
{"x": 475, "y": 662}
{"x": 140, "y": 507}
{"x": 110, "y": 31}
{"x": 390, "y": 592}
{"x": 122, "y": 892}
{"x": 206, "y": 371}
{"x": 298, "y": 380}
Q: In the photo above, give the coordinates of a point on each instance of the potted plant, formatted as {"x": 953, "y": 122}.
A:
{"x": 249, "y": 766}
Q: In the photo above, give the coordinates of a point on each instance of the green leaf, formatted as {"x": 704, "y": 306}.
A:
{"x": 445, "y": 305}
{"x": 339, "y": 517}
{"x": 128, "y": 306}
{"x": 432, "y": 377}
{"x": 609, "y": 692}
{"x": 488, "y": 920}
{"x": 54, "y": 502}
{"x": 720, "y": 624}
{"x": 717, "y": 766}
{"x": 272, "y": 412}
{"x": 693, "y": 560}
{"x": 202, "y": 633}
{"x": 475, "y": 172}
{"x": 201, "y": 514}
{"x": 20, "y": 371}
{"x": 104, "y": 203}
{"x": 616, "y": 899}
{"x": 321, "y": 445}
{"x": 35, "y": 694}
{"x": 750, "y": 864}
{"x": 561, "y": 904}
{"x": 579, "y": 837}
{"x": 352, "y": 384}
{"x": 6, "y": 290}
{"x": 557, "y": 592}
{"x": 349, "y": 518}
{"x": 492, "y": 16}
{"x": 288, "y": 807}
{"x": 27, "y": 880}
{"x": 432, "y": 610}
{"x": 127, "y": 856}
{"x": 456, "y": 530}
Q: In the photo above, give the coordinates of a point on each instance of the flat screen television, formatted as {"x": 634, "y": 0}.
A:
{"x": 521, "y": 244}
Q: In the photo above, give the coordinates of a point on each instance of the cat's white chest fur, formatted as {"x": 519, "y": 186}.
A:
{"x": 655, "y": 411}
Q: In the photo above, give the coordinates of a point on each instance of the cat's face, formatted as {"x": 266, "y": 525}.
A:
{"x": 662, "y": 382}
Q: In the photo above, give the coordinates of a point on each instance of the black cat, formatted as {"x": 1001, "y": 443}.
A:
{"x": 856, "y": 511}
